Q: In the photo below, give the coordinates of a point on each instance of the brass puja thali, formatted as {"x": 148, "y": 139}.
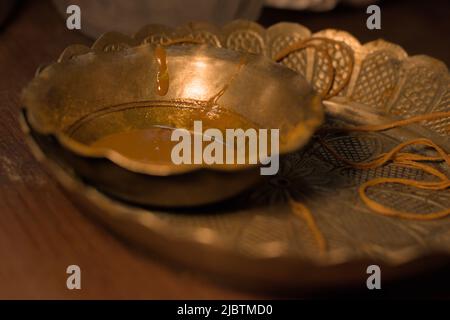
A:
{"x": 312, "y": 224}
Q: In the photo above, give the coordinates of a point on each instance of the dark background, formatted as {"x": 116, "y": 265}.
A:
{"x": 42, "y": 232}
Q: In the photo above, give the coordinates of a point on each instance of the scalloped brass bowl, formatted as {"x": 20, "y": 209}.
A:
{"x": 92, "y": 95}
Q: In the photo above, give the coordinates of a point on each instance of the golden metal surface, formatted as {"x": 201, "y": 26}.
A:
{"x": 96, "y": 94}
{"x": 255, "y": 239}
{"x": 379, "y": 74}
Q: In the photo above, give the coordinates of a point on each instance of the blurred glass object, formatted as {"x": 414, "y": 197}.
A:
{"x": 315, "y": 5}
{"x": 100, "y": 16}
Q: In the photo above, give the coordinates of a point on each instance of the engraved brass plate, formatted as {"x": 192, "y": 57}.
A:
{"x": 255, "y": 239}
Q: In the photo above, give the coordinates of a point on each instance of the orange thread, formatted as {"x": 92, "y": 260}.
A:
{"x": 303, "y": 212}
{"x": 401, "y": 123}
{"x": 302, "y": 45}
{"x": 395, "y": 156}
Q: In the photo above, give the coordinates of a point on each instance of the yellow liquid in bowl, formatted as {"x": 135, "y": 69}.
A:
{"x": 146, "y": 145}
{"x": 154, "y": 145}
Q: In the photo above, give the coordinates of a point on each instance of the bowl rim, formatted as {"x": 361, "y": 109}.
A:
{"x": 296, "y": 136}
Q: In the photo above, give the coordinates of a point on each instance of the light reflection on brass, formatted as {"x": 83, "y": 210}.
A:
{"x": 110, "y": 94}
{"x": 214, "y": 99}
{"x": 162, "y": 77}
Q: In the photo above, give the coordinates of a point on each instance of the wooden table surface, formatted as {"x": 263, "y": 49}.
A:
{"x": 42, "y": 232}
